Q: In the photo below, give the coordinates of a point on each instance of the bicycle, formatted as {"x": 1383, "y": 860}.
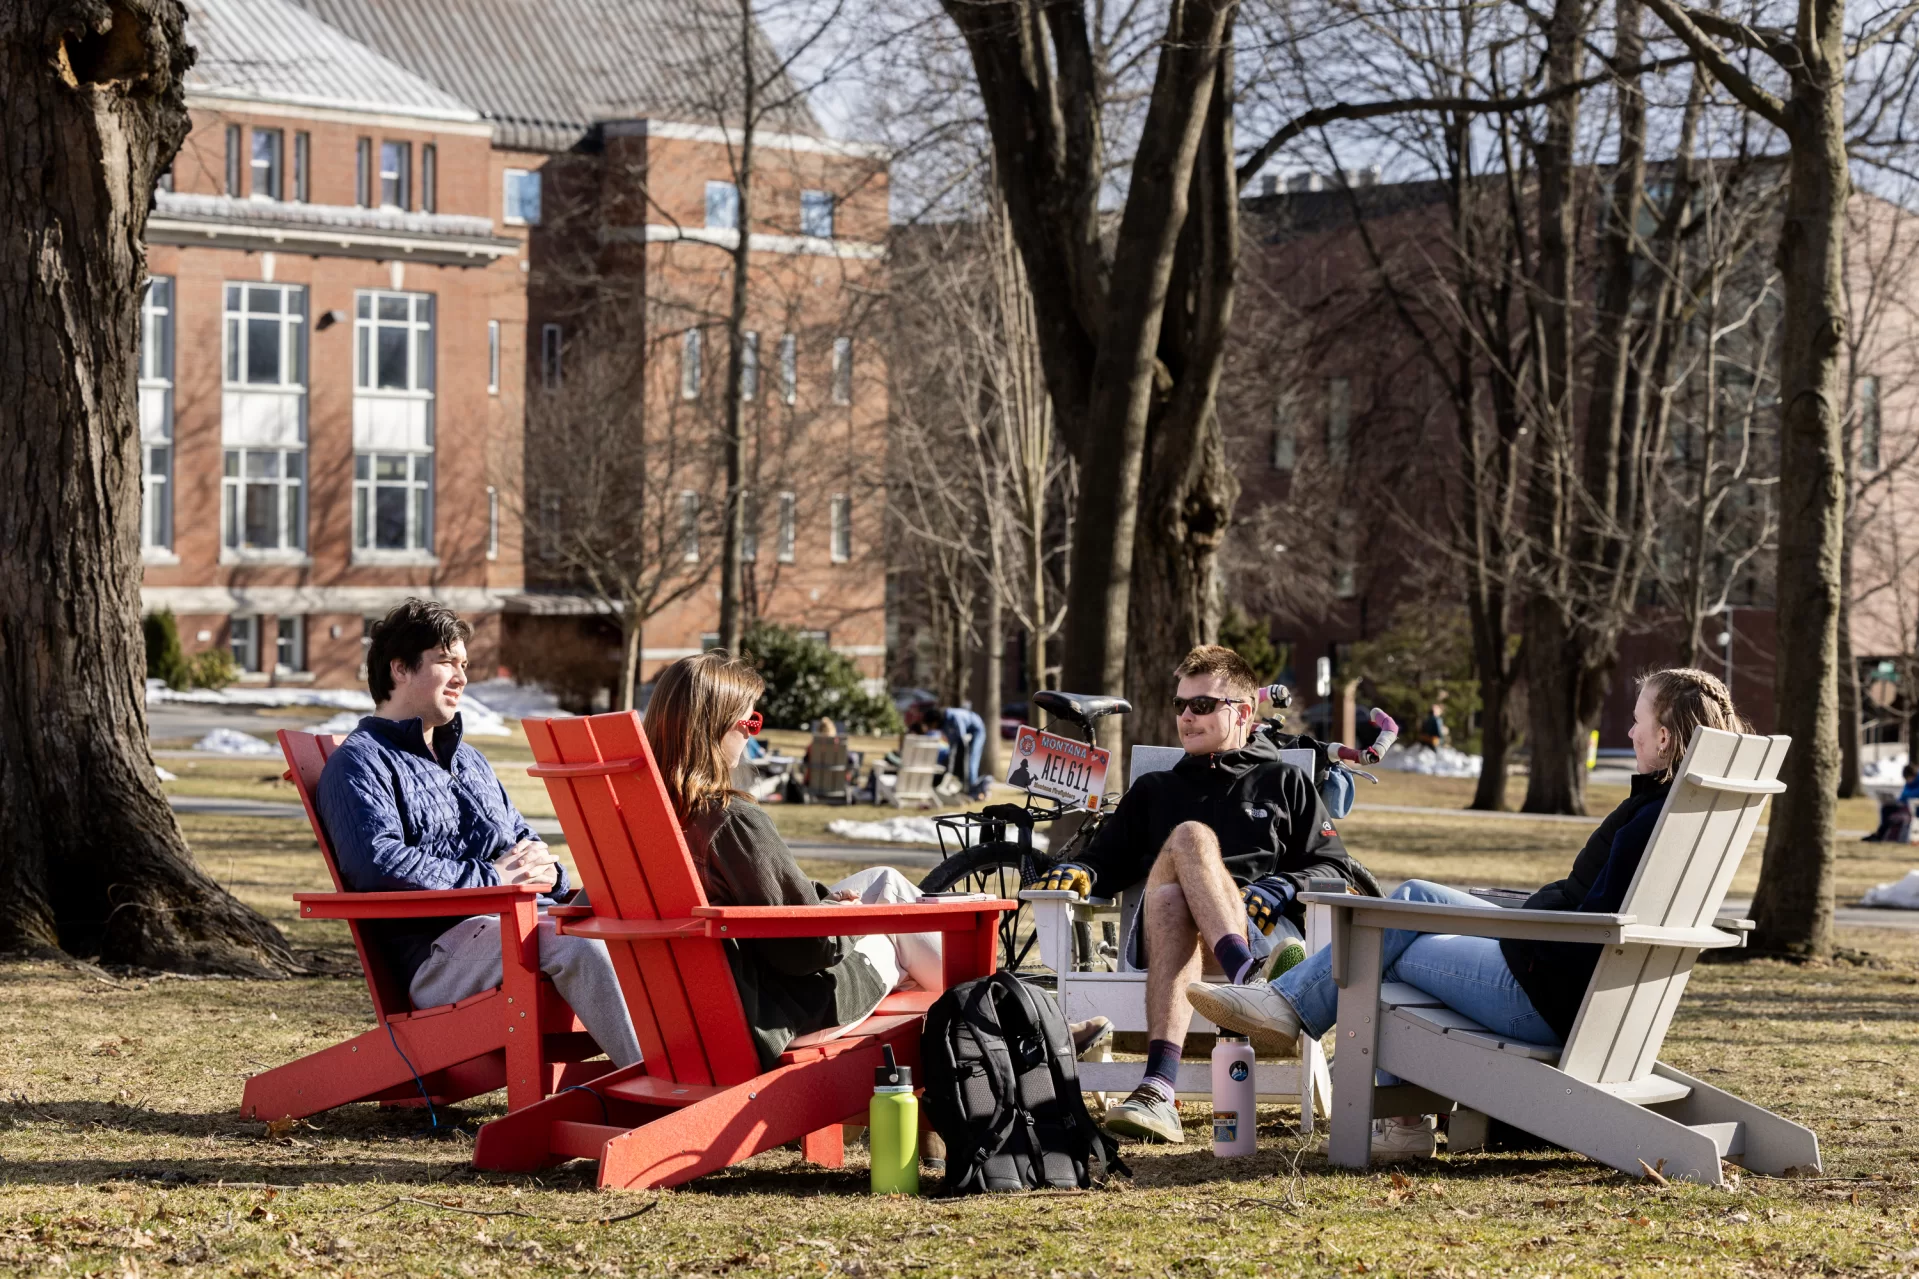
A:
{"x": 983, "y": 857}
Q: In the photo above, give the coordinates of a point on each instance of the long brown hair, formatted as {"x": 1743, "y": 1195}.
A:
{"x": 1684, "y": 699}
{"x": 695, "y": 702}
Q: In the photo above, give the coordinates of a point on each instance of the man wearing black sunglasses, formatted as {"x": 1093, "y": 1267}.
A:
{"x": 1225, "y": 840}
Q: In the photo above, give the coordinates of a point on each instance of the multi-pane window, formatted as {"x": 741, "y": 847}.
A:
{"x": 266, "y": 335}
{"x": 1339, "y": 420}
{"x": 842, "y": 528}
{"x": 689, "y": 526}
{"x": 492, "y": 357}
{"x": 789, "y": 526}
{"x": 393, "y": 501}
{"x": 290, "y": 652}
{"x": 816, "y": 214}
{"x": 492, "y": 522}
{"x": 549, "y": 356}
{"x": 396, "y": 175}
{"x": 363, "y": 173}
{"x": 789, "y": 368}
{"x": 269, "y": 153}
{"x": 236, "y": 161}
{"x": 303, "y": 166}
{"x": 749, "y": 366}
{"x": 722, "y": 206}
{"x": 393, "y": 341}
{"x": 690, "y": 365}
{"x": 1866, "y": 395}
{"x": 243, "y": 634}
{"x": 842, "y": 370}
{"x": 429, "y": 178}
{"x": 522, "y": 197}
{"x": 156, "y": 415}
{"x": 263, "y": 499}
{"x": 749, "y": 525}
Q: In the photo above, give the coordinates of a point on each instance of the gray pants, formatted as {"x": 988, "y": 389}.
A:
{"x": 466, "y": 961}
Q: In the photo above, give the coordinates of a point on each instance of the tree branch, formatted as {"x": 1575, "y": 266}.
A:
{"x": 1679, "y": 21}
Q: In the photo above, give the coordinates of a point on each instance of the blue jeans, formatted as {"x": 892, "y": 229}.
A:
{"x": 1467, "y": 974}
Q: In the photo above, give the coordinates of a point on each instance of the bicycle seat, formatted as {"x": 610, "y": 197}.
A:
{"x": 1081, "y": 707}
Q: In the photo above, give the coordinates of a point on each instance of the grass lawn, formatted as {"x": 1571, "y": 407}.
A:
{"x": 122, "y": 1153}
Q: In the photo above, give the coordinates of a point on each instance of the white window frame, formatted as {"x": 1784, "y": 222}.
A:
{"x": 156, "y": 437}
{"x": 552, "y": 340}
{"x": 246, "y": 653}
{"x": 789, "y": 368}
{"x": 492, "y": 357}
{"x": 289, "y": 485}
{"x": 690, "y": 355}
{"x": 515, "y": 209}
{"x": 811, "y": 203}
{"x": 238, "y": 329}
{"x": 749, "y": 366}
{"x": 418, "y": 324}
{"x": 689, "y": 526}
{"x": 842, "y": 370}
{"x": 417, "y": 484}
{"x": 1867, "y": 396}
{"x": 270, "y": 184}
{"x": 298, "y": 633}
{"x": 492, "y": 522}
{"x": 842, "y": 528}
{"x": 399, "y": 175}
{"x": 722, "y": 206}
{"x": 789, "y": 526}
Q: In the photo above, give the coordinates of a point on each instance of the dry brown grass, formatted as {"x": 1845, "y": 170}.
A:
{"x": 122, "y": 1153}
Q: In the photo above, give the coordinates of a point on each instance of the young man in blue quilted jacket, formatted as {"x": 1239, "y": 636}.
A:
{"x": 408, "y": 806}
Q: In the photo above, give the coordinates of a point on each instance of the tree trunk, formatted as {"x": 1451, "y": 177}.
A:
{"x": 91, "y": 859}
{"x": 988, "y": 694}
{"x": 1495, "y": 743}
{"x": 1851, "y": 783}
{"x": 632, "y": 629}
{"x": 733, "y": 444}
{"x": 1794, "y": 903}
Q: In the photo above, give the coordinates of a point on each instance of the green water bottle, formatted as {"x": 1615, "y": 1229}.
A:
{"x": 893, "y": 1129}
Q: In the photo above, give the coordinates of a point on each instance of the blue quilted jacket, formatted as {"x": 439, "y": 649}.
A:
{"x": 399, "y": 819}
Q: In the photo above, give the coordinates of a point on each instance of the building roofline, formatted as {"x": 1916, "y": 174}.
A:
{"x": 730, "y": 134}
{"x": 295, "y": 107}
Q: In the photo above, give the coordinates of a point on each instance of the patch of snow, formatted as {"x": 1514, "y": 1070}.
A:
{"x": 477, "y": 719}
{"x": 515, "y": 701}
{"x": 1902, "y": 895}
{"x": 164, "y": 775}
{"x": 1884, "y": 772}
{"x": 898, "y": 830}
{"x": 231, "y": 741}
{"x": 344, "y": 722}
{"x": 351, "y": 699}
{"x": 1444, "y": 762}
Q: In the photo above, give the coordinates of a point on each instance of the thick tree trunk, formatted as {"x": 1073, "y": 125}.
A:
{"x": 1793, "y": 906}
{"x": 733, "y": 442}
{"x": 91, "y": 859}
{"x": 988, "y": 693}
{"x": 632, "y": 641}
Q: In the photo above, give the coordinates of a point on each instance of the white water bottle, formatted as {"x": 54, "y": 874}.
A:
{"x": 1233, "y": 1096}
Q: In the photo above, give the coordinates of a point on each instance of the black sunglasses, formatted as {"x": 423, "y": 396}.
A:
{"x": 1204, "y": 705}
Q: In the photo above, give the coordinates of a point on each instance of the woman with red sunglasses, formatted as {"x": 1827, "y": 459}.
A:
{"x": 699, "y": 722}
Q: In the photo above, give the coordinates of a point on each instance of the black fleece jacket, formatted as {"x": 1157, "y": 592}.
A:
{"x": 1269, "y": 820}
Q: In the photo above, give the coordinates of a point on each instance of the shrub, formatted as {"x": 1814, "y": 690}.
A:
{"x": 1252, "y": 639}
{"x": 805, "y": 680}
{"x": 165, "y": 661}
{"x": 212, "y": 668}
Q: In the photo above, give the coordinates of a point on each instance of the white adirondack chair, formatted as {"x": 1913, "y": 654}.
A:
{"x": 1604, "y": 1094}
{"x": 919, "y": 769}
{"x": 1121, "y": 995}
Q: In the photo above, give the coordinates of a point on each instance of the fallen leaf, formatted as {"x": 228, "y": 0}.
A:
{"x": 1401, "y": 1181}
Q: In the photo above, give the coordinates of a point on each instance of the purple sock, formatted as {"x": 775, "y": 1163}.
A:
{"x": 1162, "y": 1067}
{"x": 1235, "y": 957}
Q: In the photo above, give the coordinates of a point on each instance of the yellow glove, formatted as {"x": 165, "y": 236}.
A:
{"x": 1068, "y": 877}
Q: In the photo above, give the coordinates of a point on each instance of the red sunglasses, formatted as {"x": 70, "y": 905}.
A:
{"x": 751, "y": 724}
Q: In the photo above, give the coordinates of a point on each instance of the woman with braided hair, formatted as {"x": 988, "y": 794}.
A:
{"x": 1523, "y": 990}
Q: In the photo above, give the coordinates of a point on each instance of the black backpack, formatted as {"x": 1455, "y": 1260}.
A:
{"x": 1002, "y": 1090}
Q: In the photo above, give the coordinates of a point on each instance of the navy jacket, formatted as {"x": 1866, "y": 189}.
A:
{"x": 401, "y": 820}
{"x": 1555, "y": 974}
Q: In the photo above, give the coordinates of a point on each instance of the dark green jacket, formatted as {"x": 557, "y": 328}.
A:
{"x": 790, "y": 986}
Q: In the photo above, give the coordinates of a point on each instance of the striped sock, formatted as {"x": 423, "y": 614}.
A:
{"x": 1162, "y": 1068}
{"x": 1235, "y": 958}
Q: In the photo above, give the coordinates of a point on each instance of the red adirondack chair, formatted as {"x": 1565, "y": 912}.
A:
{"x": 699, "y": 1101}
{"x": 521, "y": 1035}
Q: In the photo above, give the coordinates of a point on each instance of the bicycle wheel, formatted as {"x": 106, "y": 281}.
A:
{"x": 1000, "y": 867}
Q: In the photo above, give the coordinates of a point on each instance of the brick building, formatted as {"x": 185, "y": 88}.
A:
{"x": 616, "y": 153}
{"x": 329, "y": 388}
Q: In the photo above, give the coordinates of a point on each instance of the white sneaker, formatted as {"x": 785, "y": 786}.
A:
{"x": 1394, "y": 1141}
{"x": 1257, "y": 1012}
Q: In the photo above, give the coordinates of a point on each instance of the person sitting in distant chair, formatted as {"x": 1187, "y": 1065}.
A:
{"x": 408, "y": 806}
{"x": 1895, "y": 815}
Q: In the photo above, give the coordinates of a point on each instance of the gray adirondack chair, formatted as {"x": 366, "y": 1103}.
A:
{"x": 919, "y": 769}
{"x": 1605, "y": 1094}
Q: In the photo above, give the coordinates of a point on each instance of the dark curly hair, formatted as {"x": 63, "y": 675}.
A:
{"x": 414, "y": 626}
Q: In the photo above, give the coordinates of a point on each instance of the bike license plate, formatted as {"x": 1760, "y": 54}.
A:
{"x": 1059, "y": 768}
